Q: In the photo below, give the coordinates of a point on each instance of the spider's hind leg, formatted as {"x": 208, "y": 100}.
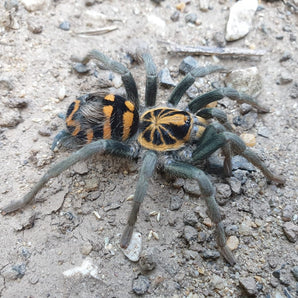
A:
{"x": 184, "y": 170}
{"x": 100, "y": 146}
{"x": 126, "y": 76}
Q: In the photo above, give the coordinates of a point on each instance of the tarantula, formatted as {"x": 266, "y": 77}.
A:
{"x": 175, "y": 140}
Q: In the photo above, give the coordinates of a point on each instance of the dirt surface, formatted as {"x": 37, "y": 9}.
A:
{"x": 81, "y": 214}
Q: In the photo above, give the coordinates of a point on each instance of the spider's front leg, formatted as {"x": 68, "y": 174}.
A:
{"x": 184, "y": 170}
{"x": 100, "y": 146}
{"x": 147, "y": 170}
{"x": 215, "y": 136}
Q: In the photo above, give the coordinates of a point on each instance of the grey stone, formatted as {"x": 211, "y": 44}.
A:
{"x": 64, "y": 26}
{"x": 249, "y": 285}
{"x": 291, "y": 231}
{"x": 187, "y": 64}
{"x": 81, "y": 68}
{"x": 294, "y": 270}
{"x": 249, "y": 120}
{"x": 175, "y": 16}
{"x": 140, "y": 285}
{"x": 285, "y": 56}
{"x": 245, "y": 108}
{"x": 192, "y": 187}
{"x": 247, "y": 80}
{"x": 176, "y": 202}
{"x": 264, "y": 132}
{"x": 192, "y": 92}
{"x": 231, "y": 230}
{"x": 219, "y": 39}
{"x": 235, "y": 185}
{"x": 190, "y": 218}
{"x": 284, "y": 78}
{"x": 190, "y": 233}
{"x": 287, "y": 213}
{"x": 191, "y": 18}
{"x": 223, "y": 191}
{"x": 165, "y": 78}
{"x": 148, "y": 259}
{"x": 239, "y": 162}
{"x": 294, "y": 91}
{"x": 211, "y": 254}
{"x": 6, "y": 84}
{"x": 204, "y": 5}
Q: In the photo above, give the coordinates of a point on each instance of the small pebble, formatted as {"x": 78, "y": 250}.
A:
{"x": 81, "y": 68}
{"x": 148, "y": 259}
{"x": 176, "y": 202}
{"x": 245, "y": 108}
{"x": 287, "y": 213}
{"x": 192, "y": 92}
{"x": 187, "y": 64}
{"x": 64, "y": 26}
{"x": 291, "y": 231}
{"x": 211, "y": 254}
{"x": 249, "y": 285}
{"x": 34, "y": 5}
{"x": 239, "y": 162}
{"x": 180, "y": 6}
{"x": 223, "y": 191}
{"x": 45, "y": 132}
{"x": 191, "y": 18}
{"x": 232, "y": 242}
{"x": 285, "y": 56}
{"x": 6, "y": 84}
{"x": 245, "y": 228}
{"x": 219, "y": 39}
{"x": 35, "y": 28}
{"x": 249, "y": 120}
{"x": 295, "y": 272}
{"x": 165, "y": 78}
{"x": 140, "y": 285}
{"x": 89, "y": 2}
{"x": 249, "y": 139}
{"x": 263, "y": 131}
{"x": 231, "y": 230}
{"x": 192, "y": 187}
{"x": 175, "y": 16}
{"x": 218, "y": 282}
{"x": 86, "y": 248}
{"x": 284, "y": 78}
{"x": 61, "y": 93}
{"x": 133, "y": 251}
{"x": 190, "y": 218}
{"x": 235, "y": 185}
{"x": 204, "y": 5}
{"x": 190, "y": 234}
{"x": 294, "y": 91}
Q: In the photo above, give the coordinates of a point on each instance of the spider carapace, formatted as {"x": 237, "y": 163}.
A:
{"x": 110, "y": 124}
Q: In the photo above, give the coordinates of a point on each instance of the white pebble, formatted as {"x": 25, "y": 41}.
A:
{"x": 240, "y": 19}
{"x": 33, "y": 5}
{"x": 133, "y": 251}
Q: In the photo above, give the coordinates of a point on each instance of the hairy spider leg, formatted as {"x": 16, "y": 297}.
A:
{"x": 101, "y": 146}
{"x": 147, "y": 170}
{"x": 126, "y": 76}
{"x": 188, "y": 80}
{"x": 201, "y": 101}
{"x": 215, "y": 136}
{"x": 151, "y": 80}
{"x": 184, "y": 170}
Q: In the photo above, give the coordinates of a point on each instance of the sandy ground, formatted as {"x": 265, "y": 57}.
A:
{"x": 61, "y": 231}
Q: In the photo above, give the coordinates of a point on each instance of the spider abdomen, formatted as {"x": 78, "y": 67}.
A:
{"x": 163, "y": 129}
{"x": 92, "y": 117}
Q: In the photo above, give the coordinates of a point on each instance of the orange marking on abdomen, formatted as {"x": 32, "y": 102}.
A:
{"x": 107, "y": 133}
{"x": 89, "y": 135}
{"x": 110, "y": 97}
{"x": 127, "y": 124}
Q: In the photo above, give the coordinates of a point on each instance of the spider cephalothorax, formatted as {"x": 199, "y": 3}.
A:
{"x": 110, "y": 124}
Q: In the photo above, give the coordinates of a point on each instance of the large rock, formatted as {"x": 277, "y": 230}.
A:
{"x": 240, "y": 19}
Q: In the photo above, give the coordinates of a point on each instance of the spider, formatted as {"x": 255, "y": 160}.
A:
{"x": 174, "y": 140}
